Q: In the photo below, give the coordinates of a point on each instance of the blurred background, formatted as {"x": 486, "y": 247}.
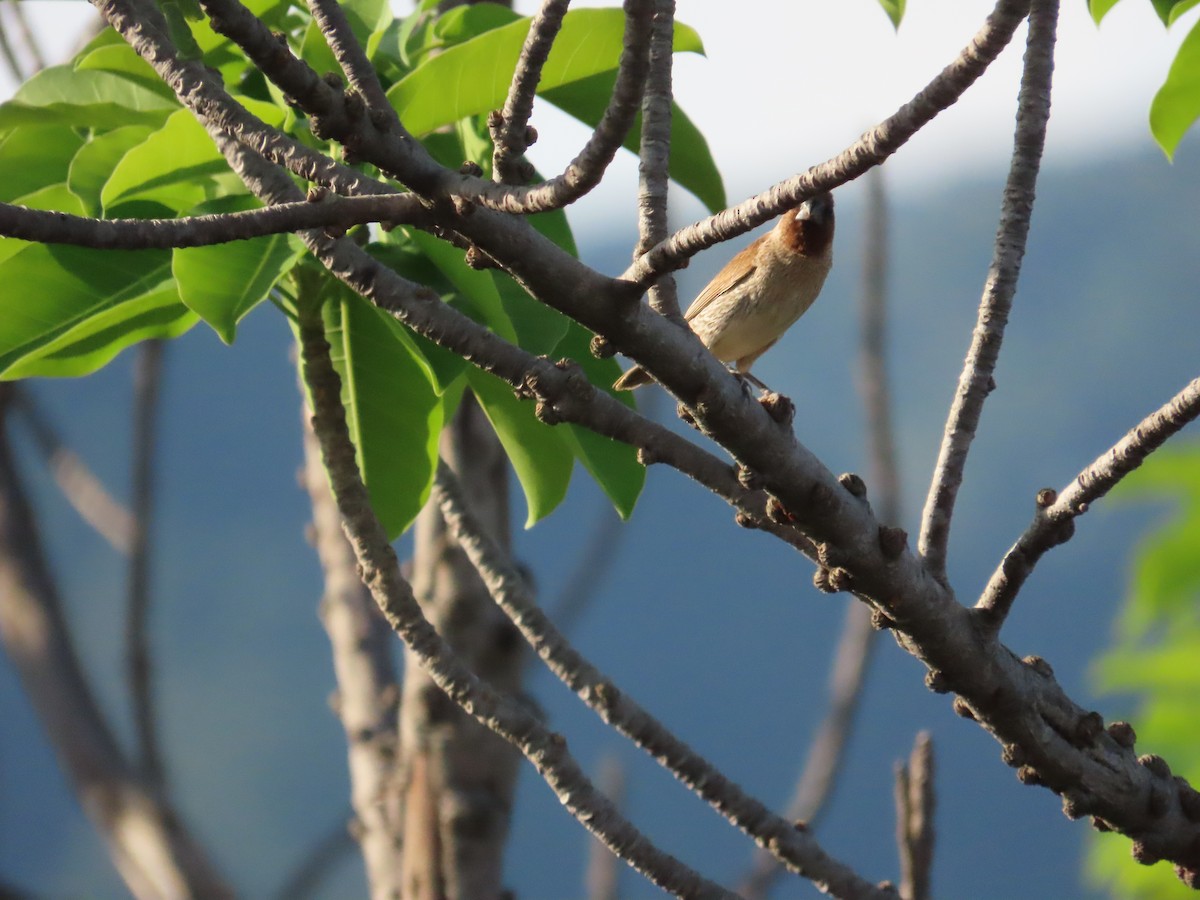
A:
{"x": 718, "y": 631}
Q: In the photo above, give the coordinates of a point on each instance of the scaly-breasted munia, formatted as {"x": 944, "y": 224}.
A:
{"x": 751, "y": 302}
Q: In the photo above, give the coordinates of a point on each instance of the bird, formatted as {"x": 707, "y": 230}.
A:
{"x": 759, "y": 293}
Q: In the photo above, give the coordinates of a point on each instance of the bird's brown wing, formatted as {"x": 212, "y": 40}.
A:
{"x": 736, "y": 271}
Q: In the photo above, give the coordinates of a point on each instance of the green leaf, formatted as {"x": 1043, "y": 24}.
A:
{"x": 474, "y": 286}
{"x": 1179, "y": 8}
{"x": 539, "y": 454}
{"x": 612, "y": 464}
{"x": 392, "y": 410}
{"x": 461, "y": 23}
{"x": 473, "y": 77}
{"x": 691, "y": 163}
{"x": 1177, "y": 104}
{"x": 60, "y": 95}
{"x": 894, "y": 10}
{"x": 53, "y": 196}
{"x": 98, "y": 338}
{"x": 1099, "y": 8}
{"x": 223, "y": 282}
{"x": 49, "y": 290}
{"x": 122, "y": 60}
{"x": 173, "y": 164}
{"x": 94, "y": 162}
{"x": 32, "y": 158}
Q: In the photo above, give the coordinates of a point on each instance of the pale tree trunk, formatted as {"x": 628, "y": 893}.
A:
{"x": 457, "y": 776}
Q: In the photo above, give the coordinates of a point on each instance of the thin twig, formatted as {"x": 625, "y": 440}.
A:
{"x": 977, "y": 378}
{"x": 511, "y": 135}
{"x": 655, "y": 153}
{"x": 504, "y": 715}
{"x": 146, "y": 378}
{"x": 86, "y": 493}
{"x": 871, "y": 149}
{"x": 915, "y": 803}
{"x": 799, "y": 851}
{"x": 854, "y": 650}
{"x": 28, "y": 39}
{"x": 1054, "y": 521}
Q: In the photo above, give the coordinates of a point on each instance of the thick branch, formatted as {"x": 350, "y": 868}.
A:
{"x": 977, "y": 378}
{"x": 1054, "y": 522}
{"x": 871, "y": 149}
{"x": 331, "y": 19}
{"x": 513, "y": 721}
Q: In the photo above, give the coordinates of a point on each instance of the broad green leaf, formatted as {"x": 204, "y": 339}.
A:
{"x": 53, "y": 196}
{"x": 32, "y": 158}
{"x": 94, "y": 162}
{"x": 475, "y": 286}
{"x": 1177, "y": 104}
{"x": 691, "y": 163}
{"x": 51, "y": 289}
{"x": 97, "y": 339}
{"x": 473, "y": 77}
{"x": 612, "y": 464}
{"x": 122, "y": 60}
{"x": 60, "y": 95}
{"x": 461, "y": 23}
{"x": 173, "y": 166}
{"x": 363, "y": 16}
{"x": 223, "y": 282}
{"x": 894, "y": 10}
{"x": 392, "y": 410}
{"x": 1179, "y": 9}
{"x": 540, "y": 456}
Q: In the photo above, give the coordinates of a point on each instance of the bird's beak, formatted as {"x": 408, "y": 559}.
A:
{"x": 817, "y": 208}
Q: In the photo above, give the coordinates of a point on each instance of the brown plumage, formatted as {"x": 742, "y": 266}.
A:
{"x": 751, "y": 302}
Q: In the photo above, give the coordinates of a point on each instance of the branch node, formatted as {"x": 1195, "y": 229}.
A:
{"x": 1123, "y": 734}
{"x": 602, "y": 347}
{"x": 748, "y": 478}
{"x": 777, "y": 513}
{"x": 1100, "y": 825}
{"x": 1142, "y": 854}
{"x": 881, "y": 621}
{"x": 1028, "y": 775}
{"x": 1088, "y": 729}
{"x": 470, "y": 167}
{"x": 1013, "y": 756}
{"x": 936, "y": 681}
{"x": 1039, "y": 665}
{"x": 821, "y": 580}
{"x": 892, "y": 541}
{"x": 853, "y": 484}
{"x": 1076, "y": 805}
{"x": 962, "y": 708}
{"x": 1155, "y": 764}
{"x": 1046, "y": 497}
{"x": 745, "y": 520}
{"x": 780, "y": 408}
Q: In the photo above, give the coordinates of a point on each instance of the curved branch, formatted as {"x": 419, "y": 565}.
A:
{"x": 545, "y": 749}
{"x": 1054, "y": 522}
{"x": 795, "y": 848}
{"x": 511, "y": 136}
{"x": 977, "y": 378}
{"x": 871, "y": 149}
{"x": 331, "y": 19}
{"x": 322, "y": 211}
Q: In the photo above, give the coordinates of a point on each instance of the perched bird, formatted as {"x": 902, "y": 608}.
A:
{"x": 751, "y": 302}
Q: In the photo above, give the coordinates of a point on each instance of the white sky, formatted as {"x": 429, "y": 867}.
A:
{"x": 788, "y": 83}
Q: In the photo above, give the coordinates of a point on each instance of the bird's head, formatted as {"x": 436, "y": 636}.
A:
{"x": 809, "y": 229}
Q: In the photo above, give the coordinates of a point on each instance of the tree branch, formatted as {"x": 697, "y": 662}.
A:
{"x": 655, "y": 156}
{"x": 380, "y": 572}
{"x": 915, "y": 802}
{"x": 1054, "y": 521}
{"x": 871, "y": 149}
{"x": 616, "y": 708}
{"x": 147, "y": 374}
{"x": 511, "y": 134}
{"x": 331, "y": 19}
{"x": 976, "y": 380}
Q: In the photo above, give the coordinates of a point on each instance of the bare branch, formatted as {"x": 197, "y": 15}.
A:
{"x": 151, "y": 846}
{"x": 871, "y": 149}
{"x": 655, "y": 155}
{"x": 147, "y": 374}
{"x": 83, "y": 490}
{"x": 322, "y": 210}
{"x": 367, "y": 691}
{"x": 511, "y": 135}
{"x": 380, "y": 572}
{"x": 331, "y": 19}
{"x": 915, "y": 802}
{"x": 1054, "y": 521}
{"x": 977, "y": 378}
{"x": 799, "y": 851}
